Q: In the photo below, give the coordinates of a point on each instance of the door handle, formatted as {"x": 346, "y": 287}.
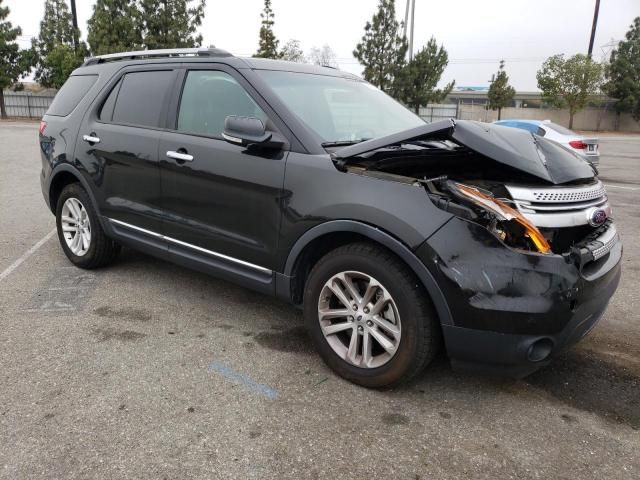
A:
{"x": 91, "y": 138}
{"x": 180, "y": 156}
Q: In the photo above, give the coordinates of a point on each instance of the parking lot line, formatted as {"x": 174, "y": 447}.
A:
{"x": 241, "y": 379}
{"x": 6, "y": 272}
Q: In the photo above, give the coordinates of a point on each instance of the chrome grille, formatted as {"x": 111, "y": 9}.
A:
{"x": 556, "y": 207}
{"x": 569, "y": 196}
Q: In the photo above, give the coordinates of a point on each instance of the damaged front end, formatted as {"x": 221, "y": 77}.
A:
{"x": 531, "y": 193}
{"x": 530, "y": 257}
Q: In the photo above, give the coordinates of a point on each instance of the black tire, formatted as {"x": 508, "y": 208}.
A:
{"x": 420, "y": 330}
{"x": 102, "y": 250}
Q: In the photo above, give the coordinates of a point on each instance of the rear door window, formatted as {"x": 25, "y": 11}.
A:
{"x": 69, "y": 96}
{"x": 142, "y": 98}
{"x": 208, "y": 97}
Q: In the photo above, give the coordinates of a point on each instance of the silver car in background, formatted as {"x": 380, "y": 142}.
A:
{"x": 586, "y": 147}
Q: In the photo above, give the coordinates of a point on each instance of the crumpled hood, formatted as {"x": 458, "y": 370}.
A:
{"x": 514, "y": 147}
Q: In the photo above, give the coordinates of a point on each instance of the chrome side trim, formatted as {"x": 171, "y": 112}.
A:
{"x": 193, "y": 247}
{"x": 133, "y": 227}
{"x": 218, "y": 255}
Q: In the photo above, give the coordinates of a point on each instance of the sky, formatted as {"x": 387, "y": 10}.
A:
{"x": 476, "y": 34}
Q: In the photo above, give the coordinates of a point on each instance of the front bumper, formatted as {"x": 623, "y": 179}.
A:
{"x": 513, "y": 312}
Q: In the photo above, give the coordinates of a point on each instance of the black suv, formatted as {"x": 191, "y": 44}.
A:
{"x": 307, "y": 183}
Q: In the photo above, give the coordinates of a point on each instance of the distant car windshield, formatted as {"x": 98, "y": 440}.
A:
{"x": 558, "y": 128}
{"x": 340, "y": 109}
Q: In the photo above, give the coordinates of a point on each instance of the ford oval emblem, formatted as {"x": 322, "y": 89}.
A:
{"x": 596, "y": 216}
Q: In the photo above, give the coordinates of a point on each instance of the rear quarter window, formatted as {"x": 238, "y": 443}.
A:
{"x": 70, "y": 95}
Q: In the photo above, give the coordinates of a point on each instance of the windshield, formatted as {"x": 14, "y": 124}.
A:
{"x": 340, "y": 109}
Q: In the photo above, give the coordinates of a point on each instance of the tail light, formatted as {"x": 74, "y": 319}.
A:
{"x": 578, "y": 144}
{"x": 43, "y": 125}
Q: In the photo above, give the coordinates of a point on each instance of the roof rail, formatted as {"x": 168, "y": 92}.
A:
{"x": 167, "y": 52}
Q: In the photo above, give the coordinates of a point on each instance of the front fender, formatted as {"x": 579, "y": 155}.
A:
{"x": 378, "y": 236}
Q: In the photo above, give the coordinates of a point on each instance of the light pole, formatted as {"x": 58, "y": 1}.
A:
{"x": 74, "y": 16}
{"x": 413, "y": 9}
{"x": 593, "y": 27}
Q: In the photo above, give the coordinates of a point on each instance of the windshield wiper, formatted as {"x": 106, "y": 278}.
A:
{"x": 343, "y": 143}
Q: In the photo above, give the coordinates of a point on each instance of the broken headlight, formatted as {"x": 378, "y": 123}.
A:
{"x": 505, "y": 222}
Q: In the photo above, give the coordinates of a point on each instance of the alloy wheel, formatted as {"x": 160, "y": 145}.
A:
{"x": 76, "y": 226}
{"x": 359, "y": 319}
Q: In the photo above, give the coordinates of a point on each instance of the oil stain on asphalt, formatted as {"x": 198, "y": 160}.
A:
{"x": 291, "y": 340}
{"x": 125, "y": 313}
{"x": 107, "y": 334}
{"x": 588, "y": 383}
{"x": 395, "y": 419}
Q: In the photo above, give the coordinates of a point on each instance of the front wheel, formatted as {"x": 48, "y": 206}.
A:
{"x": 369, "y": 317}
{"x": 79, "y": 231}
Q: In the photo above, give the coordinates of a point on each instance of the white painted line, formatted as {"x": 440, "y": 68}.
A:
{"x": 608, "y": 185}
{"x": 26, "y": 255}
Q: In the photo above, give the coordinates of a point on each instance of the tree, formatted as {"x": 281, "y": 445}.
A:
{"x": 114, "y": 27}
{"x": 171, "y": 23}
{"x": 12, "y": 61}
{"x": 500, "y": 92}
{"x": 268, "y": 43}
{"x": 60, "y": 61}
{"x": 569, "y": 83}
{"x": 292, "y": 52}
{"x": 324, "y": 56}
{"x": 382, "y": 50}
{"x": 623, "y": 73}
{"x": 419, "y": 78}
{"x": 54, "y": 52}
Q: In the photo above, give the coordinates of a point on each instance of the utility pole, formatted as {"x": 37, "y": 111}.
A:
{"x": 413, "y": 9}
{"x": 593, "y": 27}
{"x": 76, "y": 41}
{"x": 408, "y": 25}
{"x": 406, "y": 19}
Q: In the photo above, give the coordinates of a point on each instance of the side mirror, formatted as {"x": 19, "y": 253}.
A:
{"x": 247, "y": 131}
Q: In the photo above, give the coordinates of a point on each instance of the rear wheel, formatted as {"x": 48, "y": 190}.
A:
{"x": 79, "y": 231}
{"x": 369, "y": 317}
